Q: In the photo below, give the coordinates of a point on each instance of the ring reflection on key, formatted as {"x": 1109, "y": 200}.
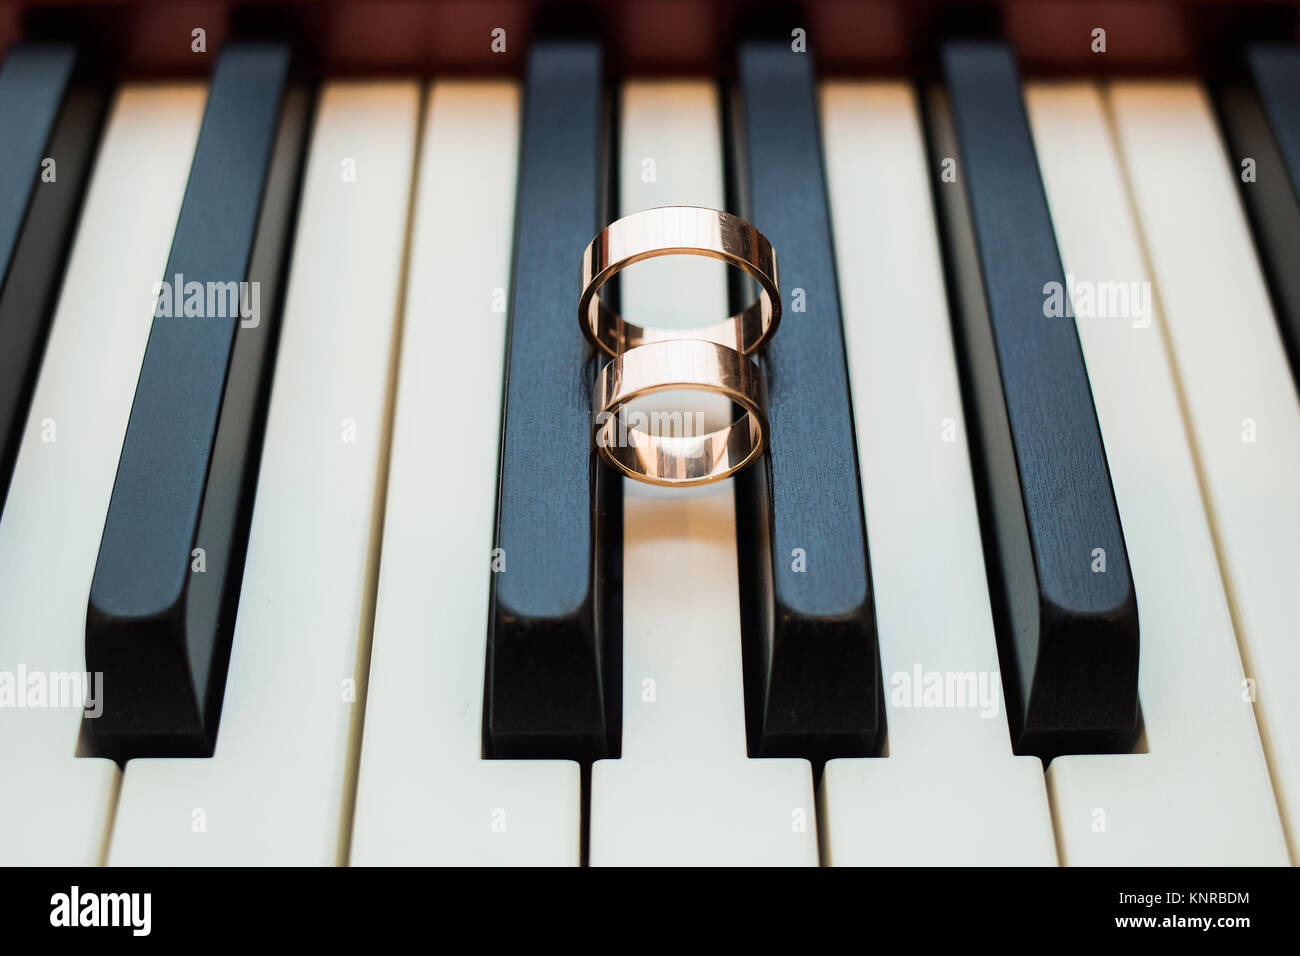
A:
{"x": 633, "y": 442}
{"x": 679, "y": 230}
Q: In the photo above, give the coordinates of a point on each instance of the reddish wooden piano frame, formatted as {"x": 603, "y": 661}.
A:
{"x": 152, "y": 37}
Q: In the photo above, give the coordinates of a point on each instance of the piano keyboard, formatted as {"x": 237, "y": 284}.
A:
{"x": 422, "y": 626}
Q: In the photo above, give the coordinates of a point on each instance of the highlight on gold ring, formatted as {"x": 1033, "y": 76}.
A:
{"x": 680, "y": 455}
{"x": 679, "y": 230}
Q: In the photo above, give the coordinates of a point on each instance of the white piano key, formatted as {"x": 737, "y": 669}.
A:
{"x": 684, "y": 792}
{"x": 1240, "y": 402}
{"x": 932, "y": 606}
{"x": 1201, "y": 795}
{"x": 278, "y": 789}
{"x": 425, "y": 795}
{"x": 54, "y": 806}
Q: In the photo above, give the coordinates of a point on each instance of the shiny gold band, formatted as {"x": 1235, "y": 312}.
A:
{"x": 682, "y": 458}
{"x": 679, "y": 230}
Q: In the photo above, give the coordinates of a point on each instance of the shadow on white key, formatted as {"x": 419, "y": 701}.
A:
{"x": 1201, "y": 794}
{"x": 279, "y": 786}
{"x": 684, "y": 792}
{"x": 950, "y": 791}
{"x": 54, "y": 806}
{"x": 425, "y": 795}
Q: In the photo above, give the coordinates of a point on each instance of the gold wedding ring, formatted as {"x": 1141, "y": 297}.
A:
{"x": 678, "y": 454}
{"x": 679, "y": 230}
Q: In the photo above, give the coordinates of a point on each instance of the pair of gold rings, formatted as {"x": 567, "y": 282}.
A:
{"x": 648, "y": 360}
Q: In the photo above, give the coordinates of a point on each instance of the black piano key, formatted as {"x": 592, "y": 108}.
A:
{"x": 1067, "y": 629}
{"x": 51, "y": 111}
{"x": 812, "y": 663}
{"x": 161, "y": 615}
{"x": 555, "y": 640}
{"x": 1261, "y": 117}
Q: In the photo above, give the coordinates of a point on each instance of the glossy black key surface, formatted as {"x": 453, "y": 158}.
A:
{"x": 166, "y": 585}
{"x": 812, "y": 664}
{"x": 1261, "y": 117}
{"x": 50, "y": 118}
{"x": 554, "y": 640}
{"x": 1067, "y": 629}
